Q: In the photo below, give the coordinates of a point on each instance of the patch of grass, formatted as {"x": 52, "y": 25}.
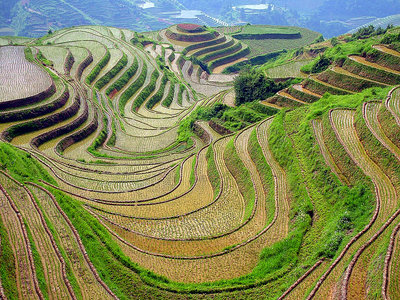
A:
{"x": 178, "y": 174}
{"x": 212, "y": 171}
{"x": 97, "y": 69}
{"x": 133, "y": 88}
{"x": 170, "y": 97}
{"x": 242, "y": 176}
{"x": 192, "y": 172}
{"x": 263, "y": 29}
{"x": 264, "y": 171}
{"x": 112, "y": 73}
{"x": 8, "y": 274}
{"x": 28, "y": 54}
{"x": 124, "y": 79}
{"x": 265, "y": 46}
{"x": 38, "y": 264}
{"x": 145, "y": 93}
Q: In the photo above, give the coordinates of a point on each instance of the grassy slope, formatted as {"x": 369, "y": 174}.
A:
{"x": 261, "y": 47}
{"x": 242, "y": 177}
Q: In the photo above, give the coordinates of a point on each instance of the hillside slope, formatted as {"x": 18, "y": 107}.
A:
{"x": 118, "y": 180}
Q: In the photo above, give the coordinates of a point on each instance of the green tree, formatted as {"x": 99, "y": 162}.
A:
{"x": 252, "y": 85}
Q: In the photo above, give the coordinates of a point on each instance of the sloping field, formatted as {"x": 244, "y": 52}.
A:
{"x": 114, "y": 185}
{"x": 21, "y": 79}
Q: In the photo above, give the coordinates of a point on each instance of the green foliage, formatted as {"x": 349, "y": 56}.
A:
{"x": 112, "y": 73}
{"x": 170, "y": 97}
{"x": 180, "y": 94}
{"x": 220, "y": 46}
{"x": 28, "y": 54}
{"x": 229, "y": 58}
{"x": 38, "y": 264}
{"x": 97, "y": 69}
{"x": 197, "y": 61}
{"x": 369, "y": 31}
{"x": 318, "y": 65}
{"x": 252, "y": 85}
{"x": 391, "y": 38}
{"x": 220, "y": 53}
{"x": 319, "y": 39}
{"x": 334, "y": 41}
{"x": 100, "y": 139}
{"x": 242, "y": 177}
{"x": 43, "y": 59}
{"x": 21, "y": 165}
{"x": 178, "y": 174}
{"x": 204, "y": 44}
{"x": 232, "y": 118}
{"x": 340, "y": 52}
{"x": 133, "y": 88}
{"x": 192, "y": 177}
{"x": 264, "y": 170}
{"x": 145, "y": 93}
{"x": 124, "y": 79}
{"x": 212, "y": 171}
{"x": 157, "y": 96}
{"x": 8, "y": 274}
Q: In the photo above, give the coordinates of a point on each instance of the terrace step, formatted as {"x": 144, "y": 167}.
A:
{"x": 302, "y": 89}
{"x": 314, "y": 78}
{"x": 342, "y": 71}
{"x": 288, "y": 96}
{"x": 385, "y": 49}
{"x": 363, "y": 61}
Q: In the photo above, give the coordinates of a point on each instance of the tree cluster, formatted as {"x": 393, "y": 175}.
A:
{"x": 253, "y": 85}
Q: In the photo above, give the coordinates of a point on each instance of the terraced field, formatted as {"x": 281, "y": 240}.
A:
{"x": 347, "y": 76}
{"x": 104, "y": 195}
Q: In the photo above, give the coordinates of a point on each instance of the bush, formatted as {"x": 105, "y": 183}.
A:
{"x": 252, "y": 85}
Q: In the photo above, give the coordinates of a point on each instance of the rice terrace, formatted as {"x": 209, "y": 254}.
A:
{"x": 143, "y": 166}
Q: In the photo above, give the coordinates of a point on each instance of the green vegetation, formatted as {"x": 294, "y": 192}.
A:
{"x": 212, "y": 171}
{"x": 231, "y": 118}
{"x": 170, "y": 97}
{"x": 112, "y": 73}
{"x": 266, "y": 46}
{"x": 158, "y": 96}
{"x": 43, "y": 59}
{"x": 262, "y": 29}
{"x": 192, "y": 177}
{"x": 252, "y": 85}
{"x": 317, "y": 66}
{"x": 7, "y": 264}
{"x": 124, "y": 79}
{"x": 39, "y": 268}
{"x": 29, "y": 54}
{"x": 133, "y": 88}
{"x": 264, "y": 171}
{"x": 141, "y": 98}
{"x": 97, "y": 69}
{"x": 369, "y": 31}
{"x": 242, "y": 177}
